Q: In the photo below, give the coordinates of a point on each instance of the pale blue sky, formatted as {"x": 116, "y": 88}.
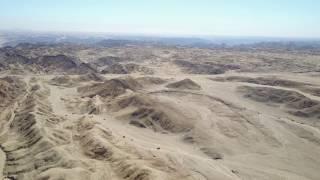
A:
{"x": 277, "y": 18}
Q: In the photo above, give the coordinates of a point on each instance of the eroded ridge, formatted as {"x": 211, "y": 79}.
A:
{"x": 33, "y": 140}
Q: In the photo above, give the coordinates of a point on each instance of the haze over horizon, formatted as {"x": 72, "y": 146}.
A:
{"x": 284, "y": 18}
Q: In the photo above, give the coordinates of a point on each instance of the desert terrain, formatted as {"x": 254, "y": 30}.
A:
{"x": 146, "y": 112}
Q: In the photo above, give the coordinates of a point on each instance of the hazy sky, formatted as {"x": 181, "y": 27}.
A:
{"x": 285, "y": 18}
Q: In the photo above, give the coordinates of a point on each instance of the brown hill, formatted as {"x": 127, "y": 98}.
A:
{"x": 110, "y": 88}
{"x": 147, "y": 111}
{"x": 90, "y": 77}
{"x": 184, "y": 84}
{"x": 296, "y": 103}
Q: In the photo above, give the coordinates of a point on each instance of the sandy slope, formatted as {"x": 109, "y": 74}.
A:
{"x": 212, "y": 132}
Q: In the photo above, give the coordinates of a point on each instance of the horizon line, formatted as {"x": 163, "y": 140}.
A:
{"x": 164, "y": 35}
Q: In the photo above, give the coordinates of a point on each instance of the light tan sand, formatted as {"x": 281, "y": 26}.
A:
{"x": 154, "y": 131}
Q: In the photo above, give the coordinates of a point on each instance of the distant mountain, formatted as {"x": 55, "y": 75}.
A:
{"x": 112, "y": 40}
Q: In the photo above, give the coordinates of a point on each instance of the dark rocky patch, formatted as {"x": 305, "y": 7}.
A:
{"x": 295, "y": 103}
{"x": 110, "y": 88}
{"x": 126, "y": 69}
{"x": 107, "y": 61}
{"x": 204, "y": 68}
{"x": 185, "y": 84}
